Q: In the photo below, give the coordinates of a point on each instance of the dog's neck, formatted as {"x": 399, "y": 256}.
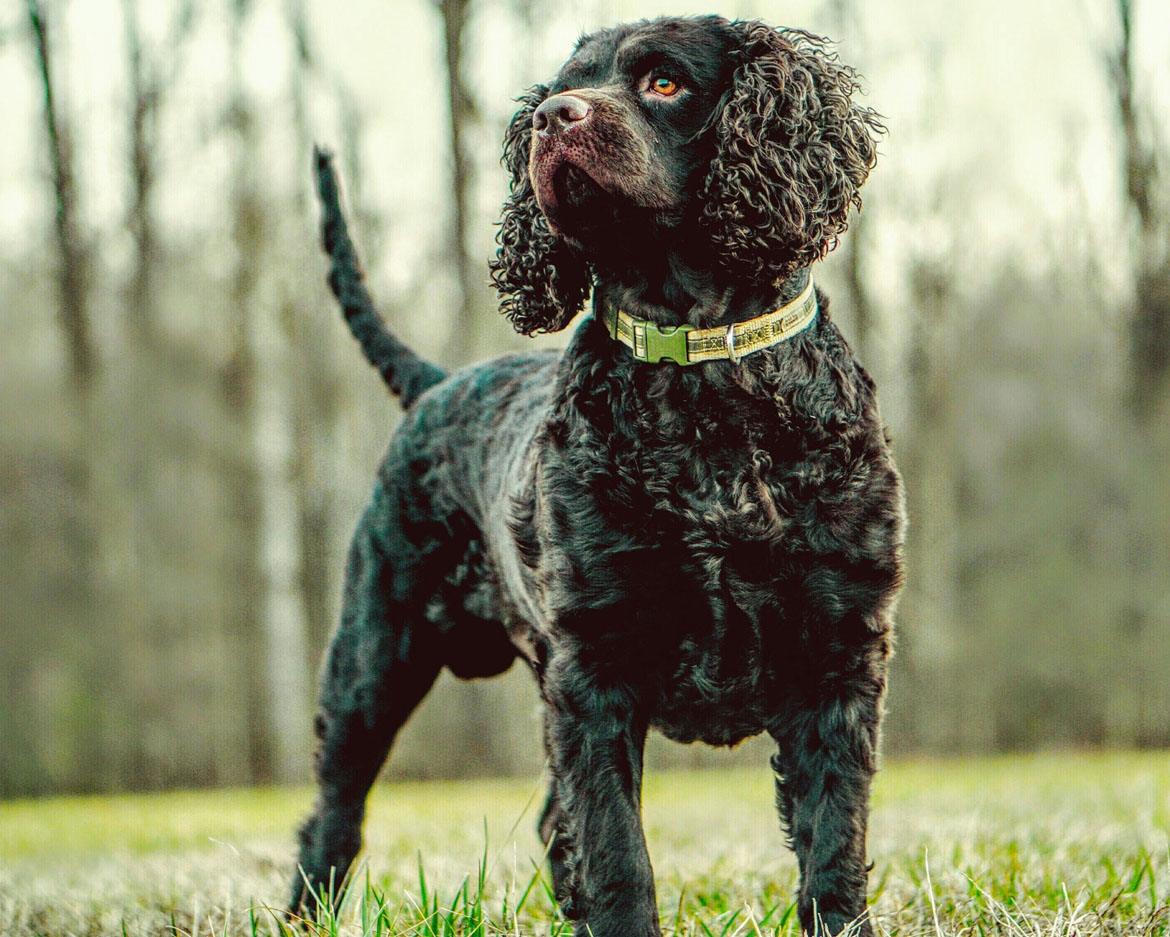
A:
{"x": 678, "y": 294}
{"x": 778, "y": 375}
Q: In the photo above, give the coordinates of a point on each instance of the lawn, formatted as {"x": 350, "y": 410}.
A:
{"x": 1068, "y": 844}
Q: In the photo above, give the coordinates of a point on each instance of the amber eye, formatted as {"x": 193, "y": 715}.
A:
{"x": 664, "y": 86}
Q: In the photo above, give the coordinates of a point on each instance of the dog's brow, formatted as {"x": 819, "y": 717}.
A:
{"x": 580, "y": 69}
{"x": 637, "y": 48}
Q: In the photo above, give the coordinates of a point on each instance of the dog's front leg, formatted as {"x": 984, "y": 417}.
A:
{"x": 595, "y": 739}
{"x": 826, "y": 759}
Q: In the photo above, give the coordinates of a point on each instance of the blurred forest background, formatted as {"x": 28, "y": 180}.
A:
{"x": 188, "y": 433}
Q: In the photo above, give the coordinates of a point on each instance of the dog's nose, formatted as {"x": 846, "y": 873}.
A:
{"x": 559, "y": 113}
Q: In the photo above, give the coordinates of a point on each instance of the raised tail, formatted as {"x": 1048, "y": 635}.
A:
{"x": 405, "y": 373}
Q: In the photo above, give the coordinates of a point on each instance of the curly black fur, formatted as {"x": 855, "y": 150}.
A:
{"x": 793, "y": 152}
{"x": 711, "y": 551}
{"x": 542, "y": 281}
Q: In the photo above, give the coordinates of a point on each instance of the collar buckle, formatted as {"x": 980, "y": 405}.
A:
{"x": 654, "y": 343}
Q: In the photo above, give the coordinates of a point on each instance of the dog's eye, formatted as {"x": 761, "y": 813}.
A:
{"x": 666, "y": 87}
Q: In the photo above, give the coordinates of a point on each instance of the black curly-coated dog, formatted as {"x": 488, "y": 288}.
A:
{"x": 693, "y": 529}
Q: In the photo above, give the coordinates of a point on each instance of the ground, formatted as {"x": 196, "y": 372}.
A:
{"x": 1066, "y": 844}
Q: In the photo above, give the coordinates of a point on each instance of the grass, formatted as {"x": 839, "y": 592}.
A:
{"x": 1068, "y": 844}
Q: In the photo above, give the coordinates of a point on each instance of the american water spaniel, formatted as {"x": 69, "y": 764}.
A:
{"x": 689, "y": 520}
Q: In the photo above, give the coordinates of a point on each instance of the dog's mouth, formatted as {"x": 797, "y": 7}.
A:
{"x": 574, "y": 187}
{"x": 565, "y": 190}
{"x": 589, "y": 190}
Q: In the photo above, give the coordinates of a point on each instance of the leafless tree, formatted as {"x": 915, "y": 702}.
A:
{"x": 272, "y": 630}
{"x": 238, "y": 382}
{"x": 463, "y": 115}
{"x": 150, "y": 74}
{"x": 315, "y": 393}
{"x": 934, "y": 643}
{"x": 848, "y": 22}
{"x": 856, "y": 247}
{"x": 1141, "y": 146}
{"x": 147, "y": 373}
{"x": 72, "y": 248}
{"x": 73, "y": 280}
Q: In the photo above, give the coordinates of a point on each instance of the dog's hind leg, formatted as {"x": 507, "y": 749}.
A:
{"x": 556, "y": 845}
{"x": 383, "y": 659}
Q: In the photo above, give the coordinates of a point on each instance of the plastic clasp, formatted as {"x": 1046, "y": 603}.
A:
{"x": 667, "y": 343}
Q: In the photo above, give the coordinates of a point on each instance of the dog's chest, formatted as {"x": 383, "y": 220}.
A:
{"x": 725, "y": 651}
{"x": 785, "y": 551}
{"x": 726, "y": 546}
{"x": 789, "y": 590}
{"x": 717, "y": 678}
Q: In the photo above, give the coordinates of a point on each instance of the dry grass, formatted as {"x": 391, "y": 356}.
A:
{"x": 1065, "y": 844}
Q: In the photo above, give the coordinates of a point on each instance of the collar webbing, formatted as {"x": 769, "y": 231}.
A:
{"x": 688, "y": 344}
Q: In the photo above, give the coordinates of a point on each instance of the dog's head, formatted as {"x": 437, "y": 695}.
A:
{"x": 736, "y": 144}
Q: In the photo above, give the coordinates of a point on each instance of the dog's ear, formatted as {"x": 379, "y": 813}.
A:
{"x": 542, "y": 281}
{"x": 792, "y": 150}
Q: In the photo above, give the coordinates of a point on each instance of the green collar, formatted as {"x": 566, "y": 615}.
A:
{"x": 688, "y": 344}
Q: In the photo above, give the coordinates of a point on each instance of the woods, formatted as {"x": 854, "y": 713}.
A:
{"x": 189, "y": 435}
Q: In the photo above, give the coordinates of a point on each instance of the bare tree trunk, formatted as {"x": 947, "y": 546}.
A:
{"x": 73, "y": 251}
{"x": 1148, "y": 549}
{"x": 462, "y": 115}
{"x": 238, "y": 386}
{"x": 315, "y": 394}
{"x": 143, "y": 146}
{"x": 146, "y": 377}
{"x": 92, "y": 760}
{"x": 934, "y": 645}
{"x": 856, "y": 243}
{"x": 283, "y": 614}
{"x": 943, "y": 657}
{"x": 149, "y": 77}
{"x": 1150, "y": 319}
{"x": 134, "y": 520}
{"x": 272, "y": 626}
{"x": 848, "y": 23}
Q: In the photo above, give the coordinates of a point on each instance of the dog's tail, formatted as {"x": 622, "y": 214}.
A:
{"x": 405, "y": 373}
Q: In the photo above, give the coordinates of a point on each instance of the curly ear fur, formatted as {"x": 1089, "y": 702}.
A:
{"x": 792, "y": 152}
{"x": 542, "y": 281}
